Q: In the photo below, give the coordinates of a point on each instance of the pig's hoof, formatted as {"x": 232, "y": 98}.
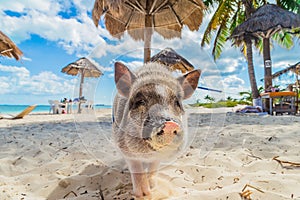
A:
{"x": 152, "y": 183}
{"x": 143, "y": 196}
{"x": 144, "y": 193}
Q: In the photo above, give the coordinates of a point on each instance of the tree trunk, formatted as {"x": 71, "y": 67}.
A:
{"x": 252, "y": 79}
{"x": 249, "y": 9}
{"x": 267, "y": 63}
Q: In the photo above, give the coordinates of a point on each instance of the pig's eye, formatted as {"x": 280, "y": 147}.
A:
{"x": 139, "y": 103}
{"x": 177, "y": 104}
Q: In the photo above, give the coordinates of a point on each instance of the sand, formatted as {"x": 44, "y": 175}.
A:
{"x": 46, "y": 156}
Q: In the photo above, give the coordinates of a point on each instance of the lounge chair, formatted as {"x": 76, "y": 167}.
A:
{"x": 26, "y": 111}
{"x": 89, "y": 104}
{"x": 56, "y": 107}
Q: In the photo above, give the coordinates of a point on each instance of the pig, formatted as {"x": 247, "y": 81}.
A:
{"x": 147, "y": 118}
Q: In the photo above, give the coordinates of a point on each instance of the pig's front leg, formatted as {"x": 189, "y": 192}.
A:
{"x": 153, "y": 168}
{"x": 139, "y": 178}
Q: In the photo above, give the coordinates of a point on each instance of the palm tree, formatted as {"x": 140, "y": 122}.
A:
{"x": 268, "y": 20}
{"x": 248, "y": 95}
{"x": 228, "y": 15}
{"x": 209, "y": 99}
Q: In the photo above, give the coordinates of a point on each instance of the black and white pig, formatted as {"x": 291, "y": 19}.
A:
{"x": 147, "y": 118}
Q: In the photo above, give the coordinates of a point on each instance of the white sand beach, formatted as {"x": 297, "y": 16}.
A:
{"x": 70, "y": 157}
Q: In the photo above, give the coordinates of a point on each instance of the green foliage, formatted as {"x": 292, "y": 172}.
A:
{"x": 229, "y": 98}
{"x": 230, "y": 13}
{"x": 247, "y": 95}
{"x": 284, "y": 39}
{"x": 220, "y": 104}
{"x": 220, "y": 25}
{"x": 209, "y": 98}
{"x": 292, "y": 5}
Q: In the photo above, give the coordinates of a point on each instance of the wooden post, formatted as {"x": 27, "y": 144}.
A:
{"x": 267, "y": 69}
{"x": 267, "y": 63}
{"x": 147, "y": 33}
{"x": 80, "y": 88}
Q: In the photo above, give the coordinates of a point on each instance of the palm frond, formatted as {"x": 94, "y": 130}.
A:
{"x": 291, "y": 5}
{"x": 217, "y": 19}
{"x": 285, "y": 40}
{"x": 244, "y": 49}
{"x": 209, "y": 3}
{"x": 259, "y": 45}
{"x": 220, "y": 40}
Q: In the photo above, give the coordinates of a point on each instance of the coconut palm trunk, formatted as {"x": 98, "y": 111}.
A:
{"x": 251, "y": 73}
{"x": 249, "y": 9}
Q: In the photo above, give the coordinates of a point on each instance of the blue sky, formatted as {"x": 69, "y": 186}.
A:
{"x": 54, "y": 33}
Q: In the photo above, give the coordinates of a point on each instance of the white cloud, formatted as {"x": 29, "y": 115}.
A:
{"x": 111, "y": 75}
{"x": 232, "y": 82}
{"x": 12, "y": 69}
{"x": 18, "y": 80}
{"x": 26, "y": 58}
{"x": 46, "y": 6}
{"x": 102, "y": 69}
{"x": 76, "y": 35}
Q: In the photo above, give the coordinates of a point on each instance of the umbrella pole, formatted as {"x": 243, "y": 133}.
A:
{"x": 267, "y": 62}
{"x": 147, "y": 34}
{"x": 147, "y": 46}
{"x": 268, "y": 69}
{"x": 80, "y": 90}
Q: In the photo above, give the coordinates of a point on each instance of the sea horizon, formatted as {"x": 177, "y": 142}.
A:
{"x": 40, "y": 108}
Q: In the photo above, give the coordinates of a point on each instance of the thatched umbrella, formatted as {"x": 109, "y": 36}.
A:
{"x": 265, "y": 22}
{"x": 85, "y": 68}
{"x": 8, "y": 48}
{"x": 173, "y": 60}
{"x": 140, "y": 18}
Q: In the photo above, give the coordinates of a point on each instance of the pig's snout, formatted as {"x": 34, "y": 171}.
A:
{"x": 169, "y": 128}
{"x": 168, "y": 134}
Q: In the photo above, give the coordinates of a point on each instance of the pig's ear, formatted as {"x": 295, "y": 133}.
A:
{"x": 189, "y": 82}
{"x": 123, "y": 79}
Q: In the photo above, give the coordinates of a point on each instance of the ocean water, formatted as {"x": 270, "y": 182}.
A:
{"x": 14, "y": 109}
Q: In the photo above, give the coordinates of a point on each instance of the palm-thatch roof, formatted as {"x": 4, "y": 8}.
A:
{"x": 173, "y": 60}
{"x": 167, "y": 16}
{"x": 85, "y": 68}
{"x": 293, "y": 68}
{"x": 8, "y": 48}
{"x": 82, "y": 65}
{"x": 265, "y": 21}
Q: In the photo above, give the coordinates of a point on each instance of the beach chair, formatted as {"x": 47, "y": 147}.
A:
{"x": 52, "y": 106}
{"x": 26, "y": 111}
{"x": 56, "y": 107}
{"x": 90, "y": 104}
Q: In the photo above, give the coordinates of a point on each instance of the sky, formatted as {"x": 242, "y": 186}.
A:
{"x": 54, "y": 33}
